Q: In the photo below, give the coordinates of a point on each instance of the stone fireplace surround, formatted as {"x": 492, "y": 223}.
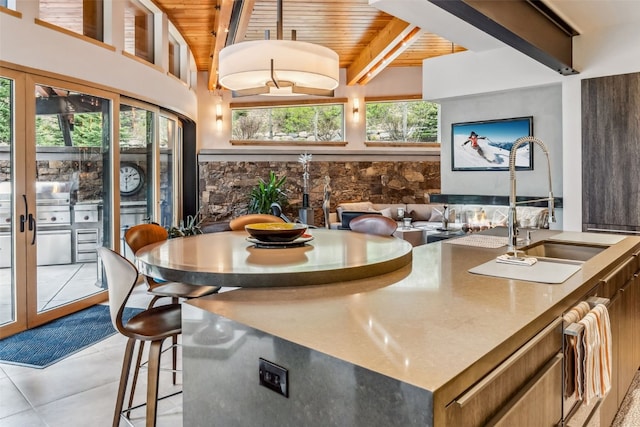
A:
{"x": 226, "y": 178}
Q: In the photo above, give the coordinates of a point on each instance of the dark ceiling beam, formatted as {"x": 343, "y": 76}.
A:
{"x": 72, "y": 104}
{"x": 526, "y": 25}
{"x": 240, "y": 16}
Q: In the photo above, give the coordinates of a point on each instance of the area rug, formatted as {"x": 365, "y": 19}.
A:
{"x": 47, "y": 344}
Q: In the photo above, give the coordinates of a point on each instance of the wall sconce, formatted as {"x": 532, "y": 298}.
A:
{"x": 219, "y": 116}
{"x": 356, "y": 110}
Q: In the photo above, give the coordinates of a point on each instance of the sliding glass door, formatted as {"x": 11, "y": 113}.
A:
{"x": 72, "y": 140}
{"x": 138, "y": 122}
{"x": 54, "y": 192}
{"x": 12, "y": 256}
{"x": 77, "y": 167}
{"x": 170, "y": 141}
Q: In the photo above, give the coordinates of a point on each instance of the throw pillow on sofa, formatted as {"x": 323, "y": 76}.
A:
{"x": 436, "y": 214}
{"x": 385, "y": 212}
{"x": 420, "y": 212}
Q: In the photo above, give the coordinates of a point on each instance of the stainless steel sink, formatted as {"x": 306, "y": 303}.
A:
{"x": 563, "y": 250}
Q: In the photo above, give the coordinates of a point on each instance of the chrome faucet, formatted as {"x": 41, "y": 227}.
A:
{"x": 513, "y": 231}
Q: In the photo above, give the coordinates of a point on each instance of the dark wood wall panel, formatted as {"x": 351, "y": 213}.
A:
{"x": 611, "y": 152}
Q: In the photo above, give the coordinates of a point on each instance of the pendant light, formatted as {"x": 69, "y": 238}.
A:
{"x": 278, "y": 67}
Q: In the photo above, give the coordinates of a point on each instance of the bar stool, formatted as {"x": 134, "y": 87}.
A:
{"x": 155, "y": 324}
{"x": 142, "y": 235}
{"x": 373, "y": 224}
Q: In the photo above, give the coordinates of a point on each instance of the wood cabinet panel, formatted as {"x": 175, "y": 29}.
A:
{"x": 502, "y": 386}
{"x": 622, "y": 286}
{"x": 611, "y": 152}
{"x": 628, "y": 336}
{"x": 539, "y": 403}
{"x": 636, "y": 320}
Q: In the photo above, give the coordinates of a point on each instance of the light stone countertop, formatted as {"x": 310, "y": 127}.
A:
{"x": 229, "y": 259}
{"x": 431, "y": 324}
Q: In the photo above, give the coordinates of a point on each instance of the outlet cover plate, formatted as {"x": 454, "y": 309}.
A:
{"x": 273, "y": 377}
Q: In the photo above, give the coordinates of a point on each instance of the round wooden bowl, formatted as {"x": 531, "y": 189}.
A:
{"x": 276, "y": 232}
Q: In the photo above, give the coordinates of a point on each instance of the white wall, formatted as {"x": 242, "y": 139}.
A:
{"x": 544, "y": 103}
{"x": 24, "y": 43}
{"x": 607, "y": 51}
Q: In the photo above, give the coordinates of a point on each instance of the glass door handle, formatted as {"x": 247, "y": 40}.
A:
{"x": 32, "y": 227}
{"x": 23, "y": 218}
{"x": 31, "y": 220}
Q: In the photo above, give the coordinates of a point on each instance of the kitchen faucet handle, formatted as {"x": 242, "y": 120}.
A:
{"x": 527, "y": 239}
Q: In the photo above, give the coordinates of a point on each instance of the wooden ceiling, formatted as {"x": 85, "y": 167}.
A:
{"x": 366, "y": 39}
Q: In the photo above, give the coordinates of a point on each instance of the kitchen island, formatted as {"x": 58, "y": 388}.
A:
{"x": 409, "y": 347}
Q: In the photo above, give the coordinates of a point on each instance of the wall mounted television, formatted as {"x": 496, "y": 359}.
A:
{"x": 485, "y": 145}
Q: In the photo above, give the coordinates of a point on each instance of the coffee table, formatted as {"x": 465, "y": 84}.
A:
{"x": 415, "y": 236}
{"x": 444, "y": 235}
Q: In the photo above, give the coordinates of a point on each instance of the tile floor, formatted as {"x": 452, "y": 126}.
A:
{"x": 57, "y": 285}
{"x": 80, "y": 390}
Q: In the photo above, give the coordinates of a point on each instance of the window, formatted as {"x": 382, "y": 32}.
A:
{"x": 174, "y": 56}
{"x": 291, "y": 123}
{"x": 9, "y": 4}
{"x": 79, "y": 16}
{"x": 168, "y": 138}
{"x": 402, "y": 121}
{"x": 6, "y": 112}
{"x": 138, "y": 31}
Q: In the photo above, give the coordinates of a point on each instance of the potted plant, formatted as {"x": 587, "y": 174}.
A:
{"x": 190, "y": 227}
{"x": 266, "y": 193}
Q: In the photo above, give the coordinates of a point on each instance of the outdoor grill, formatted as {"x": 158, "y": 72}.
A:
{"x": 53, "y": 222}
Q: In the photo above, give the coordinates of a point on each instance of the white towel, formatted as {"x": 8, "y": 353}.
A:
{"x": 597, "y": 354}
{"x": 606, "y": 351}
{"x": 591, "y": 358}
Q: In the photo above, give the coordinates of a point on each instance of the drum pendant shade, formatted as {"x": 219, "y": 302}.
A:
{"x": 296, "y": 65}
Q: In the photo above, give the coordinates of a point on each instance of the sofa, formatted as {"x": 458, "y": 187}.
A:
{"x": 429, "y": 216}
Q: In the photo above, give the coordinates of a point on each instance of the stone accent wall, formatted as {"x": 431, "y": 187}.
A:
{"x": 225, "y": 185}
{"x": 82, "y": 168}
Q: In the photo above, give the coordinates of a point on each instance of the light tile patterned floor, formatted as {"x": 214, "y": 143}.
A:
{"x": 80, "y": 390}
{"x": 57, "y": 285}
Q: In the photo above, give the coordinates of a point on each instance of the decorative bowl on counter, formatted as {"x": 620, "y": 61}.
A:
{"x": 276, "y": 231}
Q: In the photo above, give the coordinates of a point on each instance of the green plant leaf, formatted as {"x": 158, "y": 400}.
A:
{"x": 265, "y": 193}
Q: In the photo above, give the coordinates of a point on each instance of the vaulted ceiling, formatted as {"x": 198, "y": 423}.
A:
{"x": 369, "y": 39}
{"x": 365, "y": 39}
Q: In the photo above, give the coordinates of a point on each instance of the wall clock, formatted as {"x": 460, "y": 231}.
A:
{"x": 131, "y": 179}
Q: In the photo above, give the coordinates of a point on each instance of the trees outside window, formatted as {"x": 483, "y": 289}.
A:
{"x": 295, "y": 123}
{"x": 402, "y": 121}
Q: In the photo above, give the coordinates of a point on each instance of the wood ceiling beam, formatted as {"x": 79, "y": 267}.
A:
{"x": 221, "y": 26}
{"x": 526, "y": 25}
{"x": 390, "y": 42}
